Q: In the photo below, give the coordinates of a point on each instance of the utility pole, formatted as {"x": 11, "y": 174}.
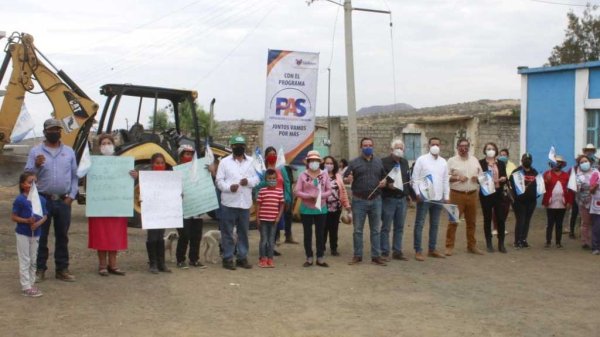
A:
{"x": 329, "y": 106}
{"x": 350, "y": 89}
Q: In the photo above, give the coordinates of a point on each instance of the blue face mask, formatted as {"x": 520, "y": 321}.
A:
{"x": 503, "y": 159}
{"x": 585, "y": 166}
{"x": 367, "y": 151}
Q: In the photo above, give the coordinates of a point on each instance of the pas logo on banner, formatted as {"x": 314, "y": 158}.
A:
{"x": 290, "y": 102}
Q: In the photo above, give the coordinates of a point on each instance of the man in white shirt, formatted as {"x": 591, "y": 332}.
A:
{"x": 464, "y": 187}
{"x": 430, "y": 183}
{"x": 236, "y": 178}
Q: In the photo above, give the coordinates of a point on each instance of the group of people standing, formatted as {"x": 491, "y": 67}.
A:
{"x": 380, "y": 190}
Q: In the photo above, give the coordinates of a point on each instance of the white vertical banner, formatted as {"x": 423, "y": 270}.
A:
{"x": 291, "y": 102}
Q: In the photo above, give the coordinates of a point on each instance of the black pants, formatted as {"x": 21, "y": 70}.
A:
{"x": 59, "y": 214}
{"x": 555, "y": 217}
{"x": 155, "y": 235}
{"x": 191, "y": 233}
{"x": 524, "y": 209}
{"x": 332, "y": 224}
{"x": 574, "y": 214}
{"x": 307, "y": 223}
{"x": 493, "y": 206}
{"x": 288, "y": 223}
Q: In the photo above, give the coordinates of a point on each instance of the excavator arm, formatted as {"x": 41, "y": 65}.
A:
{"x": 71, "y": 105}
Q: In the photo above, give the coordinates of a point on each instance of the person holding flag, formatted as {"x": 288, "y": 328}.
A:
{"x": 492, "y": 204}
{"x": 395, "y": 196}
{"x": 366, "y": 175}
{"x": 523, "y": 182}
{"x": 556, "y": 199}
{"x": 465, "y": 171}
{"x": 29, "y": 212}
{"x": 430, "y": 183}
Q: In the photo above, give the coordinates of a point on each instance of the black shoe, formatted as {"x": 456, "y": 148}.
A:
{"x": 571, "y": 236}
{"x": 243, "y": 263}
{"x": 525, "y": 244}
{"x": 335, "y": 253}
{"x": 559, "y": 246}
{"x": 399, "y": 256}
{"x": 276, "y": 253}
{"x": 586, "y": 247}
{"x": 182, "y": 265}
{"x": 198, "y": 265}
{"x": 228, "y": 264}
{"x": 502, "y": 249}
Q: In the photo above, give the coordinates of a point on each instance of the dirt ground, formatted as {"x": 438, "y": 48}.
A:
{"x": 532, "y": 292}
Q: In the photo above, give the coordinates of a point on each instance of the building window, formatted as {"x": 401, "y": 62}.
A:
{"x": 593, "y": 127}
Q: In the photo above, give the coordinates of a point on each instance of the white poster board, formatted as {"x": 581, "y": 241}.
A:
{"x": 161, "y": 196}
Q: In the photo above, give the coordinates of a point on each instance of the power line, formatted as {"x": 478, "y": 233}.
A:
{"x": 559, "y": 3}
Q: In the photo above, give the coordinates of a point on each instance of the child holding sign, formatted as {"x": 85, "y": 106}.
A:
{"x": 155, "y": 242}
{"x": 28, "y": 231}
{"x": 269, "y": 207}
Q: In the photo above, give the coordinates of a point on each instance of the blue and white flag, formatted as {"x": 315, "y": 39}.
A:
{"x": 425, "y": 187}
{"x": 519, "y": 179}
{"x": 486, "y": 183}
{"x": 540, "y": 185}
{"x": 552, "y": 154}
{"x": 572, "y": 185}
{"x": 208, "y": 154}
{"x": 258, "y": 162}
{"x": 396, "y": 175}
{"x": 23, "y": 125}
{"x": 453, "y": 212}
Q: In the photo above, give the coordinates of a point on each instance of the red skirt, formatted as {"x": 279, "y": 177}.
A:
{"x": 106, "y": 233}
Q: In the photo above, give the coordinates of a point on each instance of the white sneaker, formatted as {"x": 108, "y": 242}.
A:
{"x": 596, "y": 252}
{"x": 32, "y": 292}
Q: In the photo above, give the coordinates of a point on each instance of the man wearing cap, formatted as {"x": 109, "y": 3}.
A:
{"x": 236, "y": 178}
{"x": 366, "y": 176}
{"x": 524, "y": 203}
{"x": 464, "y": 187}
{"x": 55, "y": 166}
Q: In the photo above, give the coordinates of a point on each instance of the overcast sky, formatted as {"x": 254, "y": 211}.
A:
{"x": 445, "y": 51}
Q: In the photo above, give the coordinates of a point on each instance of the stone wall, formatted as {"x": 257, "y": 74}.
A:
{"x": 479, "y": 129}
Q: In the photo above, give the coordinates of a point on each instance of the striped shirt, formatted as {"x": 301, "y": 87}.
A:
{"x": 270, "y": 199}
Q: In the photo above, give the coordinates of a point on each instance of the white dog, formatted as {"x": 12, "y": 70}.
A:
{"x": 209, "y": 246}
{"x": 169, "y": 239}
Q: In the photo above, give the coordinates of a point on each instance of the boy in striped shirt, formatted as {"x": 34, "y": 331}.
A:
{"x": 269, "y": 208}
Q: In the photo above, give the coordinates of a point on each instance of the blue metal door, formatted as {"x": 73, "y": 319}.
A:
{"x": 412, "y": 146}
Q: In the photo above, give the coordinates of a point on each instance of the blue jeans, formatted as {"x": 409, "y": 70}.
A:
{"x": 234, "y": 218}
{"x": 360, "y": 209}
{"x": 394, "y": 211}
{"x": 267, "y": 238}
{"x": 434, "y": 220}
{"x": 59, "y": 213}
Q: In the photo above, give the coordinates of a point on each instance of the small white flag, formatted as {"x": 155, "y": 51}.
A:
{"x": 540, "y": 185}
{"x": 36, "y": 204}
{"x": 453, "y": 212}
{"x": 572, "y": 184}
{"x": 519, "y": 179}
{"x": 280, "y": 158}
{"x": 208, "y": 154}
{"x": 318, "y": 201}
{"x": 85, "y": 163}
{"x": 23, "y": 125}
{"x": 552, "y": 154}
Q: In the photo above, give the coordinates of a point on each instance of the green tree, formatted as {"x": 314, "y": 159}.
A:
{"x": 582, "y": 39}
{"x": 162, "y": 121}
{"x": 186, "y": 119}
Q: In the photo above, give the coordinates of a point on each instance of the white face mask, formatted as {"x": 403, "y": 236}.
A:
{"x": 398, "y": 153}
{"x": 107, "y": 149}
{"x": 434, "y": 150}
{"x": 329, "y": 167}
{"x": 314, "y": 165}
{"x": 490, "y": 153}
